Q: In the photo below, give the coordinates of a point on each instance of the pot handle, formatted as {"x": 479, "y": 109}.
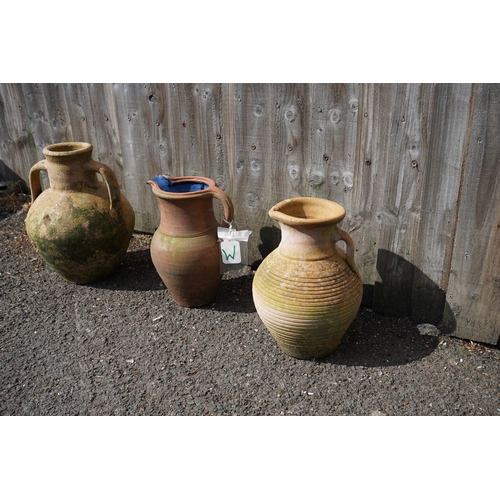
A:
{"x": 349, "y": 255}
{"x": 227, "y": 203}
{"x": 35, "y": 184}
{"x": 111, "y": 182}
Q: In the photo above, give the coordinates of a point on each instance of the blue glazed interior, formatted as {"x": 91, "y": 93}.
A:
{"x": 178, "y": 187}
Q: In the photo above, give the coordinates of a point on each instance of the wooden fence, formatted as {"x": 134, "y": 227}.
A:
{"x": 415, "y": 165}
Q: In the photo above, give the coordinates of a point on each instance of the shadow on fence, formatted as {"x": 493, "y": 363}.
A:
{"x": 10, "y": 181}
{"x": 405, "y": 291}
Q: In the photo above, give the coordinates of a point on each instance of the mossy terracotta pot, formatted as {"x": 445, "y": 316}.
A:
{"x": 185, "y": 249}
{"x": 81, "y": 225}
{"x": 308, "y": 290}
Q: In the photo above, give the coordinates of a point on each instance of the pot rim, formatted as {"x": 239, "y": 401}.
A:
{"x": 67, "y": 149}
{"x": 189, "y": 194}
{"x": 303, "y": 211}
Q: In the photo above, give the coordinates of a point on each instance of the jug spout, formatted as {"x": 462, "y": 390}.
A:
{"x": 168, "y": 184}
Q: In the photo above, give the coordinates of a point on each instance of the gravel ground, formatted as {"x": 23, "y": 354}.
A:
{"x": 124, "y": 347}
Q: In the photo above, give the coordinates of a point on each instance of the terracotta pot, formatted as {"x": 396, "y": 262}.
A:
{"x": 81, "y": 226}
{"x": 185, "y": 248}
{"x": 308, "y": 290}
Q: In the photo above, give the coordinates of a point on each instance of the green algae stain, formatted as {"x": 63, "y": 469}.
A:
{"x": 83, "y": 247}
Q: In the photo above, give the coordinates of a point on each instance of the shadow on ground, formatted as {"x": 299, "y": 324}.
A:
{"x": 235, "y": 293}
{"x": 379, "y": 340}
{"x": 135, "y": 273}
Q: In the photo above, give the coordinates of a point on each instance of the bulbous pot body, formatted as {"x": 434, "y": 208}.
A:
{"x": 81, "y": 226}
{"x": 308, "y": 290}
{"x": 185, "y": 249}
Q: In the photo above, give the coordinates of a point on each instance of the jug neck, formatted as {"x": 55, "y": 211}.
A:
{"x": 187, "y": 216}
{"x": 184, "y": 212}
{"x": 308, "y": 227}
{"x": 68, "y": 166}
{"x": 307, "y": 243}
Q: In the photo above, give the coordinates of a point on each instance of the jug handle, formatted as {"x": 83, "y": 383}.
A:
{"x": 35, "y": 184}
{"x": 226, "y": 202}
{"x": 111, "y": 182}
{"x": 348, "y": 256}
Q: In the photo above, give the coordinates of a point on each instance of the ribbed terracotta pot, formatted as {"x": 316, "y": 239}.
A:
{"x": 81, "y": 226}
{"x": 308, "y": 290}
{"x": 185, "y": 249}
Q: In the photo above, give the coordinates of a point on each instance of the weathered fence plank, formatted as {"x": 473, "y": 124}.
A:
{"x": 137, "y": 130}
{"x": 415, "y": 165}
{"x": 400, "y": 199}
{"x": 19, "y": 148}
{"x": 444, "y": 151}
{"x": 258, "y": 155}
{"x": 368, "y": 183}
{"x": 474, "y": 288}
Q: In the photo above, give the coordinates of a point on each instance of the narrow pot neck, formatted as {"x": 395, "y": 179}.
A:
{"x": 70, "y": 167}
{"x": 308, "y": 226}
{"x": 184, "y": 212}
{"x": 187, "y": 216}
{"x": 308, "y": 242}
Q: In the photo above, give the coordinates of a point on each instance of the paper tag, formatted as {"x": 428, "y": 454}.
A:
{"x": 233, "y": 248}
{"x": 230, "y": 250}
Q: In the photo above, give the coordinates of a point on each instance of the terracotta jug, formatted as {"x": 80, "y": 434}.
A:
{"x": 81, "y": 226}
{"x": 308, "y": 291}
{"x": 185, "y": 249}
